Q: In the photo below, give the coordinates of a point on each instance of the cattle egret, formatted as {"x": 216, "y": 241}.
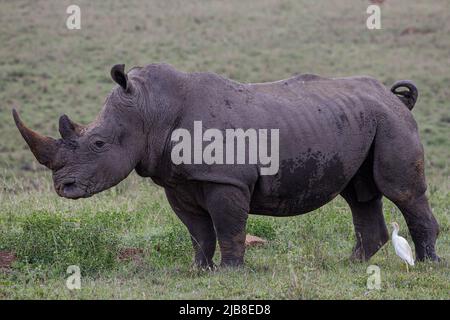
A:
{"x": 402, "y": 248}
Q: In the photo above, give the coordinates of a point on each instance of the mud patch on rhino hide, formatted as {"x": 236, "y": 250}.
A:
{"x": 310, "y": 179}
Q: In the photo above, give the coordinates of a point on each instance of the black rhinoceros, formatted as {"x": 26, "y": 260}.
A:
{"x": 335, "y": 136}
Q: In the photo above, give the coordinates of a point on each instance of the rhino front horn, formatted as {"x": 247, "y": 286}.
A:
{"x": 44, "y": 148}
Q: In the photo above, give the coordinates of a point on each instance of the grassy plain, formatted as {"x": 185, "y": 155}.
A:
{"x": 47, "y": 70}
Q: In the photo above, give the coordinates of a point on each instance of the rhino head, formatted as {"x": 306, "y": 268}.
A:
{"x": 89, "y": 159}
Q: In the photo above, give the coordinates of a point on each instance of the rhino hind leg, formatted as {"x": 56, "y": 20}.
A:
{"x": 422, "y": 226}
{"x": 399, "y": 175}
{"x": 419, "y": 218}
{"x": 370, "y": 228}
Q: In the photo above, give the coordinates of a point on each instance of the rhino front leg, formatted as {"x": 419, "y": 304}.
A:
{"x": 203, "y": 239}
{"x": 200, "y": 226}
{"x": 228, "y": 207}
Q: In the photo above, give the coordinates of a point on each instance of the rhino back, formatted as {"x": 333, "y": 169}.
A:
{"x": 326, "y": 127}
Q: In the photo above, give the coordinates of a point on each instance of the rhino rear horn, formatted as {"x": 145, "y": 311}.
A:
{"x": 44, "y": 148}
{"x": 69, "y": 129}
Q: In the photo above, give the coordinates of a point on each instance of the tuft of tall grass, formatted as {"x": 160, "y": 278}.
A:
{"x": 43, "y": 238}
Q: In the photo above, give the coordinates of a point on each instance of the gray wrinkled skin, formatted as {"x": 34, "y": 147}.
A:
{"x": 348, "y": 136}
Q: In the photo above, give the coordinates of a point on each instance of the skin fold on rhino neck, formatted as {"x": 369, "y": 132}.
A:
{"x": 165, "y": 92}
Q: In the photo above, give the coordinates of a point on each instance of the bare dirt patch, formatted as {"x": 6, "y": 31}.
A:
{"x": 131, "y": 254}
{"x": 252, "y": 241}
{"x": 7, "y": 258}
{"x": 414, "y": 30}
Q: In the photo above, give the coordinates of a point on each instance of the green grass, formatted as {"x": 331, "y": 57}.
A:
{"x": 47, "y": 70}
{"x": 306, "y": 257}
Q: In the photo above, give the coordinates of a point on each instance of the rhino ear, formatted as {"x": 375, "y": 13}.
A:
{"x": 120, "y": 77}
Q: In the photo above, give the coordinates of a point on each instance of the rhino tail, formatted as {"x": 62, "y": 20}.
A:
{"x": 409, "y": 96}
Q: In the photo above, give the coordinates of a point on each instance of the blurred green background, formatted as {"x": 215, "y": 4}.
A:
{"x": 47, "y": 70}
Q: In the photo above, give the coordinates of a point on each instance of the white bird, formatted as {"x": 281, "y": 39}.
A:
{"x": 401, "y": 246}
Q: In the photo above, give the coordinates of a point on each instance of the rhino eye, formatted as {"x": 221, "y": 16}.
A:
{"x": 99, "y": 143}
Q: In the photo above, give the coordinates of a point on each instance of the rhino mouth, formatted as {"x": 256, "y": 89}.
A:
{"x": 69, "y": 188}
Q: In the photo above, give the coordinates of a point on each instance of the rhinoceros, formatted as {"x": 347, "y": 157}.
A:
{"x": 351, "y": 136}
